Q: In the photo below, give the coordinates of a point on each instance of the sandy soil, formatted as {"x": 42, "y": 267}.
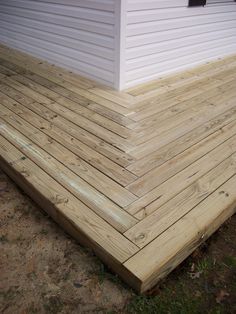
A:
{"x": 43, "y": 270}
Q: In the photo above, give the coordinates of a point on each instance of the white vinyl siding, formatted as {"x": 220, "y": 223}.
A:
{"x": 165, "y": 36}
{"x": 219, "y": 1}
{"x": 76, "y": 34}
{"x": 120, "y": 43}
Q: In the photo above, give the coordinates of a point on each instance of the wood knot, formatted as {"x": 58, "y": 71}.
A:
{"x": 25, "y": 173}
{"x": 140, "y": 237}
{"x": 58, "y": 199}
{"x": 225, "y": 193}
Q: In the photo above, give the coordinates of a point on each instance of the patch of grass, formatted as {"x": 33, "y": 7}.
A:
{"x": 204, "y": 265}
{"x": 43, "y": 231}
{"x": 230, "y": 261}
{"x": 54, "y": 305}
{"x": 217, "y": 310}
{"x": 101, "y": 273}
{"x": 8, "y": 295}
{"x": 20, "y": 238}
{"x": 33, "y": 309}
{"x": 66, "y": 275}
{"x": 32, "y": 275}
{"x": 3, "y": 239}
{"x": 104, "y": 273}
{"x": 182, "y": 297}
{"x": 164, "y": 304}
{"x": 23, "y": 209}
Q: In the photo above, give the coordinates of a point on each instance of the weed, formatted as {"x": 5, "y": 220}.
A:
{"x": 33, "y": 309}
{"x": 19, "y": 238}
{"x": 66, "y": 275}
{"x": 3, "y": 239}
{"x": 230, "y": 261}
{"x": 217, "y": 310}
{"x": 8, "y": 295}
{"x": 204, "y": 265}
{"x": 44, "y": 232}
{"x": 163, "y": 304}
{"x": 104, "y": 273}
{"x": 54, "y": 305}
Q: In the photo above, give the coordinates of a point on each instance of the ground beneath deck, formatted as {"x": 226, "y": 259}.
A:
{"x": 142, "y": 177}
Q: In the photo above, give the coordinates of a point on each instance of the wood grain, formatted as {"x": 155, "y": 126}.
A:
{"x": 142, "y": 176}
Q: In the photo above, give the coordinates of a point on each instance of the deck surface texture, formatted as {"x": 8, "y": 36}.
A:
{"x": 142, "y": 176}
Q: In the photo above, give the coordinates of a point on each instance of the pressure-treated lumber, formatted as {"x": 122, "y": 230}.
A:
{"x": 142, "y": 177}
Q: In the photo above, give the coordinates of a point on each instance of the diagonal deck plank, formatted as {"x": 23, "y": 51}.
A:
{"x": 166, "y": 152}
{"x": 163, "y": 138}
{"x": 141, "y": 176}
{"x": 146, "y": 90}
{"x": 110, "y": 188}
{"x": 74, "y": 131}
{"x": 45, "y": 87}
{"x": 153, "y": 178}
{"x": 169, "y": 99}
{"x": 180, "y": 104}
{"x": 70, "y": 115}
{"x": 98, "y": 161}
{"x": 54, "y": 76}
{"x": 192, "y": 111}
{"x": 170, "y": 188}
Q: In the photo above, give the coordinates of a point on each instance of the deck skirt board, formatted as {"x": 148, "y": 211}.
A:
{"x": 129, "y": 174}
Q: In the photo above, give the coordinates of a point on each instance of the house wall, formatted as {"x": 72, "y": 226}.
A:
{"x": 164, "y": 36}
{"x": 76, "y": 34}
{"x": 120, "y": 43}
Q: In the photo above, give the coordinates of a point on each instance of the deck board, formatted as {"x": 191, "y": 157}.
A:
{"x": 142, "y": 176}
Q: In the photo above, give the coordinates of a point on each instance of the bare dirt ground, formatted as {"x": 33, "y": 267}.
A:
{"x": 43, "y": 270}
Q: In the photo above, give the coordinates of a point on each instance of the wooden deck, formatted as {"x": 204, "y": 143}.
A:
{"x": 143, "y": 176}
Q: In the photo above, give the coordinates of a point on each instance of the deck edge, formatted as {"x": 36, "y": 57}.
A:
{"x": 68, "y": 226}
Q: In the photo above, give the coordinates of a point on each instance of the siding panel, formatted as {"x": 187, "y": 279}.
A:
{"x": 166, "y": 36}
{"x": 76, "y": 34}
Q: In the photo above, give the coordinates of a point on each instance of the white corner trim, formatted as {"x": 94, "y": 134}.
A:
{"x": 120, "y": 39}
